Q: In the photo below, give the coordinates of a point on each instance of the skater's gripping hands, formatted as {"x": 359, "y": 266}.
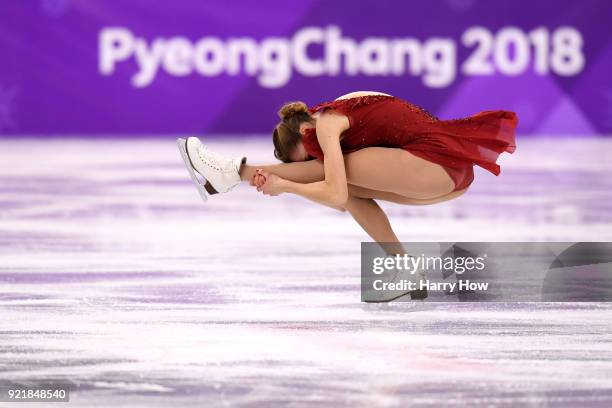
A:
{"x": 258, "y": 179}
{"x": 266, "y": 182}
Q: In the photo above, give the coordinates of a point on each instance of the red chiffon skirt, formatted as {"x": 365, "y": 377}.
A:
{"x": 459, "y": 144}
{"x": 456, "y": 145}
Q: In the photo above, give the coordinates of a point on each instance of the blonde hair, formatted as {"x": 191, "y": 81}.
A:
{"x": 286, "y": 134}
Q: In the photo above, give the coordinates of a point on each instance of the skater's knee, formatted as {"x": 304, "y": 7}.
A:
{"x": 350, "y": 203}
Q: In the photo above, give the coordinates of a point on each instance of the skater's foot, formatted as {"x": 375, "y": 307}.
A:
{"x": 397, "y": 276}
{"x": 221, "y": 174}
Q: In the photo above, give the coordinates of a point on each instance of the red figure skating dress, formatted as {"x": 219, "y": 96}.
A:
{"x": 456, "y": 145}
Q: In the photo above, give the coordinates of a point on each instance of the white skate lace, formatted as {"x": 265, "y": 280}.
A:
{"x": 213, "y": 160}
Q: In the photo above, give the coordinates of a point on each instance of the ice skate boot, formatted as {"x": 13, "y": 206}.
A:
{"x": 395, "y": 276}
{"x": 220, "y": 174}
{"x": 199, "y": 184}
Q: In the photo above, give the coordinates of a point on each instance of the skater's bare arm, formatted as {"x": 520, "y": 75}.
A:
{"x": 261, "y": 176}
{"x": 333, "y": 189}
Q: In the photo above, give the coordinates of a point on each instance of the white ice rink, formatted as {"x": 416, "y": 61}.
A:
{"x": 118, "y": 281}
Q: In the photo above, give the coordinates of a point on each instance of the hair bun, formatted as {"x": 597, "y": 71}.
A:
{"x": 291, "y": 108}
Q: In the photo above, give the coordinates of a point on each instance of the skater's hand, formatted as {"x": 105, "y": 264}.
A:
{"x": 258, "y": 179}
{"x": 272, "y": 184}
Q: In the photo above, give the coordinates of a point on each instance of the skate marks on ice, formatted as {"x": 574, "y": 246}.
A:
{"x": 117, "y": 280}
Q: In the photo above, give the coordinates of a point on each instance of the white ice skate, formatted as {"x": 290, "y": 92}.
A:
{"x": 220, "y": 174}
{"x": 395, "y": 276}
{"x": 181, "y": 143}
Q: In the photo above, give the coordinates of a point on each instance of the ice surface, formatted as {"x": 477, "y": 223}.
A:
{"x": 119, "y": 281}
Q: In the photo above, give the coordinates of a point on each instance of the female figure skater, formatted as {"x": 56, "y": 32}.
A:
{"x": 362, "y": 147}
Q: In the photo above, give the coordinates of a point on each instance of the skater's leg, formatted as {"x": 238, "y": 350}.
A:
{"x": 397, "y": 171}
{"x": 375, "y": 223}
{"x": 382, "y": 169}
{"x": 299, "y": 172}
{"x": 363, "y": 192}
{"x": 312, "y": 171}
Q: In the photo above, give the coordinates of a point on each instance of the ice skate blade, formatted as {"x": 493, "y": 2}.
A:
{"x": 182, "y": 146}
{"x": 415, "y": 295}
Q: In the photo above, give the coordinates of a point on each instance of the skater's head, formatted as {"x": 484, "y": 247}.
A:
{"x": 287, "y": 135}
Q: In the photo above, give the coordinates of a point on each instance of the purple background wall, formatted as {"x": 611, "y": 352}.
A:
{"x": 51, "y": 80}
